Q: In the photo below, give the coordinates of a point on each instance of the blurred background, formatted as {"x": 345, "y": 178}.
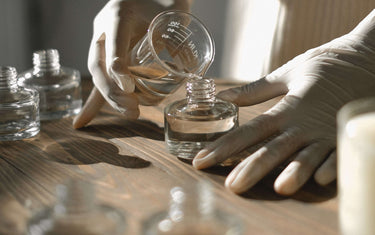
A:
{"x": 252, "y": 37}
{"x": 66, "y": 25}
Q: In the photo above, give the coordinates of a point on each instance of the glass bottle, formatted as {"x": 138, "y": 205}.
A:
{"x": 76, "y": 213}
{"x": 194, "y": 122}
{"x": 59, "y": 87}
{"x": 192, "y": 210}
{"x": 19, "y": 111}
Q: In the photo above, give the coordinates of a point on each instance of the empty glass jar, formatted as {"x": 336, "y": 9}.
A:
{"x": 193, "y": 210}
{"x": 59, "y": 87}
{"x": 19, "y": 108}
{"x": 77, "y": 212}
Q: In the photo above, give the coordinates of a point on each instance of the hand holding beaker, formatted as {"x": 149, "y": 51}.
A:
{"x": 117, "y": 28}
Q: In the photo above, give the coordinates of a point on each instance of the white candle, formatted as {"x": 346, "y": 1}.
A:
{"x": 356, "y": 166}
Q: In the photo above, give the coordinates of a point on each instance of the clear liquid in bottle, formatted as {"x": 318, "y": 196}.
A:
{"x": 192, "y": 123}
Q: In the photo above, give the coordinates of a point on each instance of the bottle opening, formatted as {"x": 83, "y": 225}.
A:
{"x": 200, "y": 90}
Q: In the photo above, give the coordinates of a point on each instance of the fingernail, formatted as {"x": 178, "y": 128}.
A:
{"x": 120, "y": 109}
{"x": 125, "y": 82}
{"x": 202, "y": 154}
{"x": 117, "y": 65}
{"x": 203, "y": 159}
{"x": 112, "y": 100}
{"x": 118, "y": 72}
{"x": 236, "y": 184}
{"x": 229, "y": 180}
{"x": 130, "y": 114}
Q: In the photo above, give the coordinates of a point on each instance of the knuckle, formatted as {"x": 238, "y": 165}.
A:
{"x": 260, "y": 161}
{"x": 253, "y": 86}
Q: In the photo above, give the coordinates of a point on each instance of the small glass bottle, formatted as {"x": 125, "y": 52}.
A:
{"x": 77, "y": 213}
{"x": 194, "y": 122}
{"x": 192, "y": 210}
{"x": 59, "y": 87}
{"x": 19, "y": 108}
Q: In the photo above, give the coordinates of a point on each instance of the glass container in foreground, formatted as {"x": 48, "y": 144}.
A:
{"x": 356, "y": 164}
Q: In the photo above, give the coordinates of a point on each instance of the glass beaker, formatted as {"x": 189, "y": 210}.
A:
{"x": 177, "y": 45}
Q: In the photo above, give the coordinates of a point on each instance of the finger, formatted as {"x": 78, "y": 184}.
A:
{"x": 327, "y": 172}
{"x": 260, "y": 163}
{"x": 117, "y": 48}
{"x": 254, "y": 92}
{"x": 92, "y": 106}
{"x": 251, "y": 133}
{"x": 126, "y": 104}
{"x": 299, "y": 171}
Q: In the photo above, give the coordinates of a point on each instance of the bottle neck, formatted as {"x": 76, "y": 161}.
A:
{"x": 8, "y": 77}
{"x": 200, "y": 91}
{"x": 46, "y": 60}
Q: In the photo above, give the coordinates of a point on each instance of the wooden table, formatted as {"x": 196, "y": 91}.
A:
{"x": 132, "y": 171}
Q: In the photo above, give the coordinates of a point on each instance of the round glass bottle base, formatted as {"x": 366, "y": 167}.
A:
{"x": 185, "y": 149}
{"x": 19, "y": 133}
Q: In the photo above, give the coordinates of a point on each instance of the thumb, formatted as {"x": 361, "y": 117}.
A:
{"x": 254, "y": 92}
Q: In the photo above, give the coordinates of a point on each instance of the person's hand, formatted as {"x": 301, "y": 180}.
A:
{"x": 117, "y": 28}
{"x": 317, "y": 84}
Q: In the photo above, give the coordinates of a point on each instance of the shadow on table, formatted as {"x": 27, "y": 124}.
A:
{"x": 110, "y": 126}
{"x": 91, "y": 144}
{"x": 263, "y": 190}
{"x": 86, "y": 151}
{"x": 310, "y": 192}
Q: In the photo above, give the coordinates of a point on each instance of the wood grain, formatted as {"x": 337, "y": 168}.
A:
{"x": 132, "y": 171}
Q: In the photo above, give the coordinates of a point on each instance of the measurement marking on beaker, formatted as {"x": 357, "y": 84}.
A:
{"x": 184, "y": 37}
{"x": 181, "y": 42}
{"x": 188, "y": 31}
{"x": 177, "y": 43}
{"x": 180, "y": 39}
{"x": 180, "y": 36}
